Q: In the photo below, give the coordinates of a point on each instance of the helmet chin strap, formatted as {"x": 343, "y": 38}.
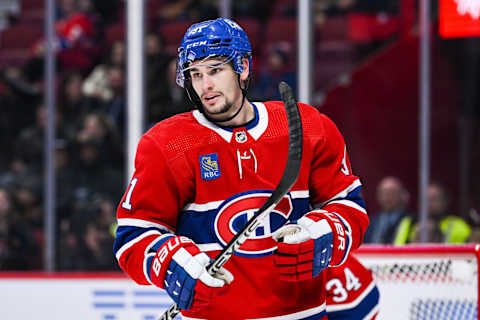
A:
{"x": 193, "y": 96}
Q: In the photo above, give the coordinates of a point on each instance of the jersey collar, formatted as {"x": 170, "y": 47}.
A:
{"x": 255, "y": 128}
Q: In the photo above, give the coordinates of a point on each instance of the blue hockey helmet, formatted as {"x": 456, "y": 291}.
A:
{"x": 219, "y": 37}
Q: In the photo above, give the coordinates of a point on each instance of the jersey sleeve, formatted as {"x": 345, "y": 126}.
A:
{"x": 334, "y": 188}
{"x": 149, "y": 208}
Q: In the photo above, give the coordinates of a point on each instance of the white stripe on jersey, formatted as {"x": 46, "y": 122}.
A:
{"x": 203, "y": 207}
{"x": 300, "y": 194}
{"x": 125, "y": 222}
{"x": 225, "y": 134}
{"x": 354, "y": 303}
{"x": 262, "y": 125}
{"x": 209, "y": 246}
{"x": 349, "y": 203}
{"x": 342, "y": 194}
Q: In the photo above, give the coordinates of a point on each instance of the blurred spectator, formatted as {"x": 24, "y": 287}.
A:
{"x": 97, "y": 84}
{"x": 30, "y": 142}
{"x": 106, "y": 89}
{"x": 171, "y": 98}
{"x": 327, "y": 8}
{"x": 21, "y": 83}
{"x": 100, "y": 236}
{"x": 157, "y": 78}
{"x": 87, "y": 238}
{"x": 115, "y": 108}
{"x": 107, "y": 10}
{"x": 466, "y": 61}
{"x": 392, "y": 224}
{"x": 9, "y": 9}
{"x": 73, "y": 104}
{"x": 93, "y": 174}
{"x": 96, "y": 253}
{"x": 258, "y": 9}
{"x": 98, "y": 130}
{"x": 441, "y": 226}
{"x": 75, "y": 36}
{"x": 28, "y": 197}
{"x": 65, "y": 176}
{"x": 278, "y": 68}
{"x": 98, "y": 165}
{"x": 18, "y": 247}
{"x": 195, "y": 10}
{"x": 17, "y": 110}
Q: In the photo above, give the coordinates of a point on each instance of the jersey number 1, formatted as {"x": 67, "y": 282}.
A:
{"x": 126, "y": 204}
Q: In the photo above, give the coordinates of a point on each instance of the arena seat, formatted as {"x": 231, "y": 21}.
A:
{"x": 16, "y": 42}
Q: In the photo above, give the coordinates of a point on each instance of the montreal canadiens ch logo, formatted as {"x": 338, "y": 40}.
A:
{"x": 234, "y": 213}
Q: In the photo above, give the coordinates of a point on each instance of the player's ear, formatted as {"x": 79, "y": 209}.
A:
{"x": 246, "y": 69}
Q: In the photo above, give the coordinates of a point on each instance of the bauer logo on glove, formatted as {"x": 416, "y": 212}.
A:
{"x": 306, "y": 248}
{"x": 179, "y": 267}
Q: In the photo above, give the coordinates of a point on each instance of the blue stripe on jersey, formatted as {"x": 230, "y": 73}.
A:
{"x": 355, "y": 196}
{"x": 160, "y": 243}
{"x": 199, "y": 225}
{"x": 127, "y": 233}
{"x": 254, "y": 123}
{"x": 359, "y": 311}
{"x": 148, "y": 268}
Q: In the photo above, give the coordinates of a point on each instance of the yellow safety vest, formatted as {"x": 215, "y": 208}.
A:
{"x": 453, "y": 228}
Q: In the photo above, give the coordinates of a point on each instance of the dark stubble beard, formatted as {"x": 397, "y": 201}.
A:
{"x": 226, "y": 107}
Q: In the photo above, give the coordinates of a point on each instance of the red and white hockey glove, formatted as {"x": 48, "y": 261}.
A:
{"x": 318, "y": 240}
{"x": 179, "y": 267}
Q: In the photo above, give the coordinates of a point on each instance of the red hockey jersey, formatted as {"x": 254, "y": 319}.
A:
{"x": 351, "y": 292}
{"x": 196, "y": 179}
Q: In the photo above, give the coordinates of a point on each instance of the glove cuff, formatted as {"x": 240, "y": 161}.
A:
{"x": 164, "y": 255}
{"x": 315, "y": 221}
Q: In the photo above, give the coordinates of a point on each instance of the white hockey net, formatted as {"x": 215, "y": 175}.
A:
{"x": 425, "y": 282}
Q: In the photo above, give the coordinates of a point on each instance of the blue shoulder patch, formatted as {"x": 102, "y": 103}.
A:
{"x": 209, "y": 167}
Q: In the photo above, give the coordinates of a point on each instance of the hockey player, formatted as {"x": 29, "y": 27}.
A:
{"x": 200, "y": 175}
{"x": 351, "y": 292}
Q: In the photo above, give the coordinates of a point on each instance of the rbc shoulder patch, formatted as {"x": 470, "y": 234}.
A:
{"x": 209, "y": 168}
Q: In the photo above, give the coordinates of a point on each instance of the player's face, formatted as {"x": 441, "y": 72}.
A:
{"x": 216, "y": 83}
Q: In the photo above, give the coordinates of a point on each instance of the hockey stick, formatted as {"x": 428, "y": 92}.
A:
{"x": 289, "y": 177}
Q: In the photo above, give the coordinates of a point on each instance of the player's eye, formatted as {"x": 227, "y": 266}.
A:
{"x": 215, "y": 70}
{"x": 195, "y": 75}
